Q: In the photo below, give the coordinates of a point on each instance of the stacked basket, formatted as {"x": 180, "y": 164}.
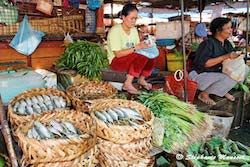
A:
{"x": 81, "y": 93}
{"x": 123, "y": 145}
{"x": 63, "y": 149}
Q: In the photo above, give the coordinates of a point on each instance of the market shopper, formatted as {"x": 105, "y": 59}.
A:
{"x": 207, "y": 65}
{"x": 123, "y": 41}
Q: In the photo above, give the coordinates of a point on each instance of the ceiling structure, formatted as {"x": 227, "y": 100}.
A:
{"x": 172, "y": 3}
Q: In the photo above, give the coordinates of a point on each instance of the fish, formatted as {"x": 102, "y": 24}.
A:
{"x": 34, "y": 100}
{"x": 42, "y": 130}
{"x": 62, "y": 102}
{"x": 57, "y": 126}
{"x": 37, "y": 108}
{"x": 109, "y": 118}
{"x": 131, "y": 123}
{"x": 113, "y": 114}
{"x": 21, "y": 110}
{"x": 39, "y": 98}
{"x": 28, "y": 101}
{"x": 119, "y": 113}
{"x": 23, "y": 103}
{"x": 69, "y": 126}
{"x": 29, "y": 110}
{"x": 130, "y": 113}
{"x": 16, "y": 106}
{"x": 55, "y": 131}
{"x": 46, "y": 98}
{"x": 101, "y": 116}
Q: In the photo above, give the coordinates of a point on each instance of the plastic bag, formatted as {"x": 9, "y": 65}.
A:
{"x": 93, "y": 4}
{"x": 26, "y": 39}
{"x": 235, "y": 68}
{"x": 68, "y": 39}
{"x": 151, "y": 52}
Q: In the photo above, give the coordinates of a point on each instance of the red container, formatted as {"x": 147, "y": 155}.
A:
{"x": 176, "y": 88}
{"x": 161, "y": 59}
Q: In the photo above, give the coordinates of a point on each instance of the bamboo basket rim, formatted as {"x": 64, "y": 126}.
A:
{"x": 16, "y": 119}
{"x": 109, "y": 128}
{"x": 81, "y": 144}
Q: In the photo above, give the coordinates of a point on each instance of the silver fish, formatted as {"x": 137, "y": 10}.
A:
{"x": 57, "y": 103}
{"x": 21, "y": 110}
{"x": 39, "y": 98}
{"x": 23, "y": 103}
{"x": 37, "y": 108}
{"x": 35, "y": 134}
{"x": 16, "y": 106}
{"x": 69, "y": 126}
{"x": 57, "y": 126}
{"x": 62, "y": 102}
{"x": 101, "y": 116}
{"x": 29, "y": 110}
{"x": 129, "y": 112}
{"x": 50, "y": 107}
{"x": 71, "y": 136}
{"x": 119, "y": 113}
{"x": 28, "y": 101}
{"x": 112, "y": 114}
{"x": 109, "y": 118}
{"x": 55, "y": 131}
{"x": 131, "y": 123}
{"x": 42, "y": 130}
{"x": 34, "y": 100}
{"x": 46, "y": 98}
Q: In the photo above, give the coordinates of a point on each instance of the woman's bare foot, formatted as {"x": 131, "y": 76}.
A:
{"x": 229, "y": 97}
{"x": 204, "y": 97}
{"x": 145, "y": 84}
{"x": 131, "y": 89}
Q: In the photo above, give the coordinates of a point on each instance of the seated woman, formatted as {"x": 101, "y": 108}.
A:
{"x": 123, "y": 41}
{"x": 207, "y": 65}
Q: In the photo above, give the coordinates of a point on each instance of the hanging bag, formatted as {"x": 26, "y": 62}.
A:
{"x": 26, "y": 39}
{"x": 175, "y": 86}
{"x": 45, "y": 6}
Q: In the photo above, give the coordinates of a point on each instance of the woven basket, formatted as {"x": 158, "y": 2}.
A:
{"x": 142, "y": 162}
{"x": 122, "y": 134}
{"x": 88, "y": 159}
{"x": 90, "y": 90}
{"x": 57, "y": 150}
{"x": 16, "y": 119}
{"x": 125, "y": 152}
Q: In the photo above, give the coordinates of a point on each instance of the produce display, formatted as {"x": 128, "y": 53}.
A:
{"x": 120, "y": 116}
{"x": 85, "y": 57}
{"x": 182, "y": 122}
{"x": 219, "y": 152}
{"x": 55, "y": 130}
{"x": 39, "y": 104}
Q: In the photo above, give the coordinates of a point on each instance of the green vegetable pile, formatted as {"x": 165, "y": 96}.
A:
{"x": 85, "y": 57}
{"x": 182, "y": 122}
{"x": 219, "y": 152}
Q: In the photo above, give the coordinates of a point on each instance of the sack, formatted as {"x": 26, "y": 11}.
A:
{"x": 171, "y": 30}
{"x": 93, "y": 4}
{"x": 8, "y": 13}
{"x": 235, "y": 68}
{"x": 151, "y": 52}
{"x": 175, "y": 86}
{"x": 45, "y": 6}
{"x": 26, "y": 39}
{"x": 68, "y": 39}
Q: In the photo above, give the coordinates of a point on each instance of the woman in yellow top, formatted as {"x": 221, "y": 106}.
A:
{"x": 123, "y": 41}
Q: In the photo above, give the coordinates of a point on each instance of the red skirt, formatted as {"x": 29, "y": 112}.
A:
{"x": 135, "y": 64}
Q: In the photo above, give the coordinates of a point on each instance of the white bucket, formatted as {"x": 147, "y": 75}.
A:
{"x": 222, "y": 122}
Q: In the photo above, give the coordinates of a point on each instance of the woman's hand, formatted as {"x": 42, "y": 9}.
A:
{"x": 141, "y": 45}
{"x": 231, "y": 55}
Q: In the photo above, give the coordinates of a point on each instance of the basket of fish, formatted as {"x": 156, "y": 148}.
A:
{"x": 89, "y": 90}
{"x": 125, "y": 152}
{"x": 56, "y": 136}
{"x": 88, "y": 159}
{"x": 142, "y": 162}
{"x": 121, "y": 121}
{"x": 29, "y": 104}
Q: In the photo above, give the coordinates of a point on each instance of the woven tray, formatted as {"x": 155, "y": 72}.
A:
{"x": 91, "y": 90}
{"x": 142, "y": 162}
{"x": 125, "y": 152}
{"x": 122, "y": 134}
{"x": 16, "y": 119}
{"x": 57, "y": 150}
{"x": 88, "y": 159}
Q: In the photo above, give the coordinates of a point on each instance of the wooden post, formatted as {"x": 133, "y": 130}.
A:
{"x": 7, "y": 135}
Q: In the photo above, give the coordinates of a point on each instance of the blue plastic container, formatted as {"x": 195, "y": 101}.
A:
{"x": 14, "y": 83}
{"x": 165, "y": 42}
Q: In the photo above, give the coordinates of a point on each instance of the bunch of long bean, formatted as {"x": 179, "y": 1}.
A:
{"x": 87, "y": 58}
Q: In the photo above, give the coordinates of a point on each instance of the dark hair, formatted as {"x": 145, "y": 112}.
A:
{"x": 217, "y": 24}
{"x": 128, "y": 8}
